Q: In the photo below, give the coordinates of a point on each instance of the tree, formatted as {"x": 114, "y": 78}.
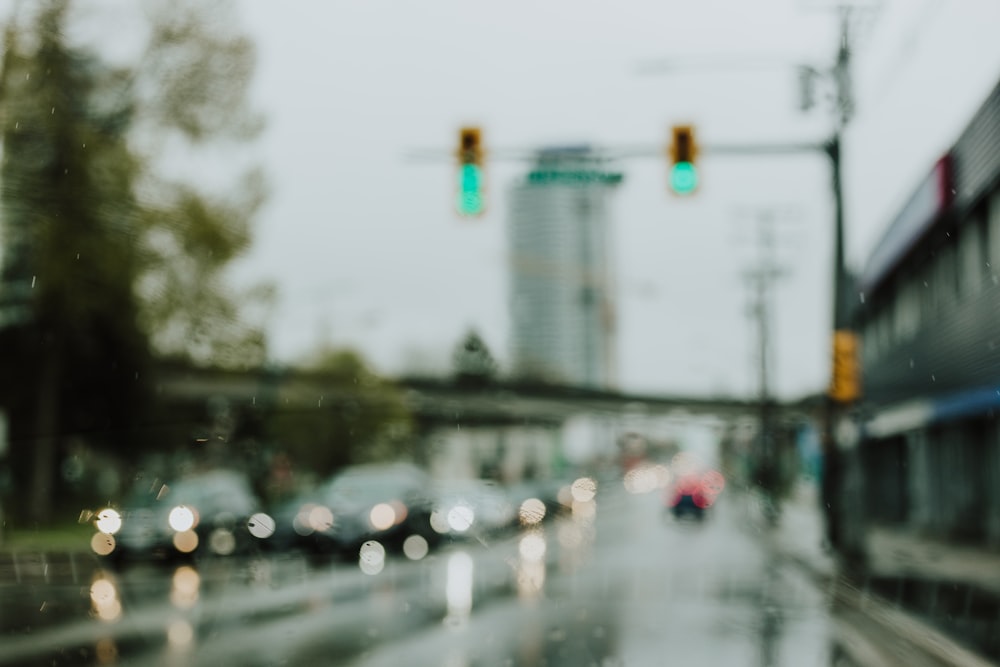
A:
{"x": 191, "y": 90}
{"x": 473, "y": 364}
{"x": 358, "y": 417}
{"x": 106, "y": 259}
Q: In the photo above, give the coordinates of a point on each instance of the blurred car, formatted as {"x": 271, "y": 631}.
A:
{"x": 382, "y": 502}
{"x": 694, "y": 493}
{"x": 471, "y": 508}
{"x": 203, "y": 513}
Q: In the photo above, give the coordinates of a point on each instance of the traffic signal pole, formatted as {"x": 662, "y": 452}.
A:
{"x": 833, "y": 478}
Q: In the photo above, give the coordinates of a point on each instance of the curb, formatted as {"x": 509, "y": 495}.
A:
{"x": 927, "y": 639}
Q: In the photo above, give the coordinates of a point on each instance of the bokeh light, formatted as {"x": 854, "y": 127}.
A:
{"x": 531, "y": 566}
{"x": 531, "y": 512}
{"x": 106, "y": 651}
{"x": 102, "y": 544}
{"x": 108, "y": 521}
{"x": 320, "y": 518}
{"x": 181, "y": 518}
{"x": 371, "y": 557}
{"x": 532, "y": 546}
{"x": 261, "y": 525}
{"x": 461, "y": 518}
{"x": 439, "y": 522}
{"x": 415, "y": 547}
{"x": 184, "y": 587}
{"x": 382, "y": 516}
{"x": 104, "y": 599}
{"x": 458, "y": 587}
{"x": 186, "y": 541}
{"x": 301, "y": 524}
{"x": 584, "y": 510}
{"x": 646, "y": 478}
{"x": 222, "y": 541}
{"x": 180, "y": 634}
{"x": 400, "y": 512}
{"x": 584, "y": 489}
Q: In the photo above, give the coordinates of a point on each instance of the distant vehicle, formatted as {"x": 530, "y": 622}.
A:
{"x": 382, "y": 502}
{"x": 693, "y": 494}
{"x": 206, "y": 513}
{"x": 471, "y": 508}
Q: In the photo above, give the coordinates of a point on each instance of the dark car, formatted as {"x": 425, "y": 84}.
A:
{"x": 383, "y": 502}
{"x": 471, "y": 508}
{"x": 205, "y": 513}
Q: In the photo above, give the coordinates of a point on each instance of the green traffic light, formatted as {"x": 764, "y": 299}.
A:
{"x": 470, "y": 190}
{"x": 683, "y": 178}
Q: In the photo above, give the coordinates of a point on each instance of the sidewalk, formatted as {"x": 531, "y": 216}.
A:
{"x": 938, "y": 635}
{"x": 891, "y": 552}
{"x": 896, "y": 553}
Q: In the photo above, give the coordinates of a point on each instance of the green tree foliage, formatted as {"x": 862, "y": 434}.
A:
{"x": 192, "y": 95}
{"x": 107, "y": 260}
{"x": 339, "y": 412}
{"x": 472, "y": 361}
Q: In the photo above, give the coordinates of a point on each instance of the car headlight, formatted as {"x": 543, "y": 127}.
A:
{"x": 382, "y": 516}
{"x": 460, "y": 518}
{"x": 181, "y": 518}
{"x": 108, "y": 521}
{"x": 320, "y": 518}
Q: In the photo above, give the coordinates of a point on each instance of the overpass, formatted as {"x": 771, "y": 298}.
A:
{"x": 438, "y": 400}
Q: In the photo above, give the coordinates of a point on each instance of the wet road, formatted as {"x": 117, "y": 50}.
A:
{"x": 616, "y": 583}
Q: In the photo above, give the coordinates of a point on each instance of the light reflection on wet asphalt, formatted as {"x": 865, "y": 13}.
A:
{"x": 620, "y": 586}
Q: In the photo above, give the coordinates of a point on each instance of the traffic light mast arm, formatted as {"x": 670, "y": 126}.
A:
{"x": 764, "y": 149}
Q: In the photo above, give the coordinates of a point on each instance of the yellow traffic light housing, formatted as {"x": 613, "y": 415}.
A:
{"x": 845, "y": 383}
{"x": 471, "y": 183}
{"x": 683, "y": 152}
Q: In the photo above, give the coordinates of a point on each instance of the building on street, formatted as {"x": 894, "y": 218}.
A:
{"x": 930, "y": 327}
{"x": 562, "y": 278}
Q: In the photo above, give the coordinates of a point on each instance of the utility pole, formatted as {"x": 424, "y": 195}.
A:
{"x": 842, "y": 536}
{"x": 833, "y": 487}
{"x": 761, "y": 279}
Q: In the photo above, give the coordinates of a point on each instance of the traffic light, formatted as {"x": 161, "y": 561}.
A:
{"x": 683, "y": 152}
{"x": 845, "y": 384}
{"x": 471, "y": 200}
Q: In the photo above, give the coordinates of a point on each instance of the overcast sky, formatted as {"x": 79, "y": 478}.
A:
{"x": 367, "y": 252}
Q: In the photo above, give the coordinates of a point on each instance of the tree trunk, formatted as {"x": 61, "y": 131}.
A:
{"x": 42, "y": 491}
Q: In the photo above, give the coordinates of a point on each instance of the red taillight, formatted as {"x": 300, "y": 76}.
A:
{"x": 702, "y": 500}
